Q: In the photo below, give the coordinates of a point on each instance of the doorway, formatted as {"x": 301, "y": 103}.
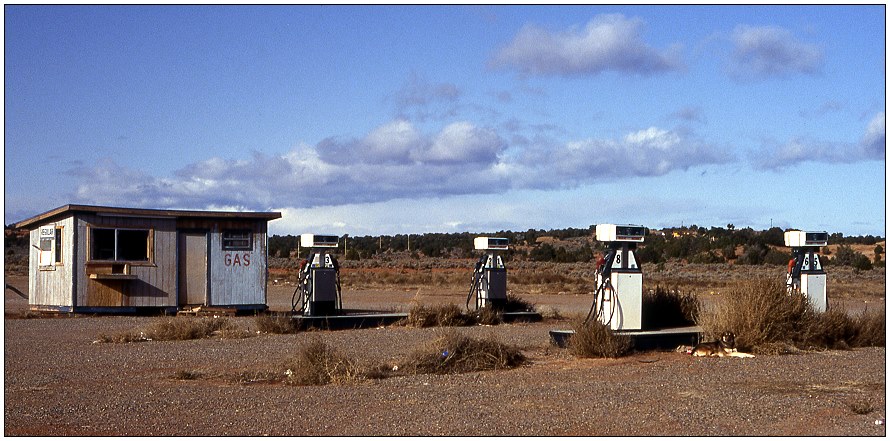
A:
{"x": 193, "y": 274}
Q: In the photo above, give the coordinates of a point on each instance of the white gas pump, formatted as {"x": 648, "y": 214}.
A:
{"x": 318, "y": 288}
{"x": 490, "y": 275}
{"x": 618, "y": 298}
{"x": 805, "y": 272}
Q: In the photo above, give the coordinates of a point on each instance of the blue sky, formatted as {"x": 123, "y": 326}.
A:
{"x": 409, "y": 119}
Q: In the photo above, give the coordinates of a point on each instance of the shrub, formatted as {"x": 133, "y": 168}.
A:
{"x": 871, "y": 330}
{"x": 768, "y": 319}
{"x": 706, "y": 257}
{"x": 184, "y": 328}
{"x": 318, "y": 364}
{"x": 594, "y": 339}
{"x": 179, "y": 328}
{"x": 453, "y": 352}
{"x": 422, "y": 316}
{"x": 515, "y": 303}
{"x": 760, "y": 313}
{"x": 277, "y": 324}
{"x": 186, "y": 375}
{"x": 664, "y": 308}
{"x": 487, "y": 316}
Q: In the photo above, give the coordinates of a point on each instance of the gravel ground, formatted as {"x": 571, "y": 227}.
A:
{"x": 59, "y": 382}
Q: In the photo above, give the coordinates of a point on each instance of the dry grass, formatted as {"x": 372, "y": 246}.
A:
{"x": 186, "y": 375}
{"x": 277, "y": 324}
{"x": 767, "y": 319}
{"x": 515, "y": 303}
{"x": 487, "y": 316}
{"x": 424, "y": 316}
{"x": 317, "y": 364}
{"x": 179, "y": 328}
{"x": 665, "y": 308}
{"x": 593, "y": 339}
{"x": 453, "y": 352}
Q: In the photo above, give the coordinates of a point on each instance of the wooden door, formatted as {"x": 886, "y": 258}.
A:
{"x": 192, "y": 268}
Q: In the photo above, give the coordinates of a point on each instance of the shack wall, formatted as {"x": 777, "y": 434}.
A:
{"x": 155, "y": 282}
{"x": 238, "y": 277}
{"x": 52, "y": 287}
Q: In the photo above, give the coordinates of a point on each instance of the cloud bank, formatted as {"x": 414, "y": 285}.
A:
{"x": 396, "y": 160}
{"x": 608, "y": 42}
{"x": 871, "y": 147}
{"x": 769, "y": 52}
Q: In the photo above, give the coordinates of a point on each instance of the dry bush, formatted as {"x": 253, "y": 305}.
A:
{"x": 594, "y": 339}
{"x": 488, "y": 316}
{"x": 179, "y": 328}
{"x": 277, "y": 324}
{"x": 186, "y": 375}
{"x": 830, "y": 329}
{"x": 317, "y": 364}
{"x": 422, "y": 316}
{"x": 872, "y": 330}
{"x": 453, "y": 352}
{"x": 761, "y": 313}
{"x": 515, "y": 303}
{"x": 861, "y": 406}
{"x": 665, "y": 308}
{"x": 552, "y": 313}
{"x": 767, "y": 319}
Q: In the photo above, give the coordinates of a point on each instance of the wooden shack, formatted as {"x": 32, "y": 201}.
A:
{"x": 105, "y": 259}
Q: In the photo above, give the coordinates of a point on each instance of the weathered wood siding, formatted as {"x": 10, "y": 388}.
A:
{"x": 155, "y": 285}
{"x": 52, "y": 287}
{"x": 238, "y": 277}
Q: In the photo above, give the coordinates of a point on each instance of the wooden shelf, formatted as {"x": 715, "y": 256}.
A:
{"x": 113, "y": 276}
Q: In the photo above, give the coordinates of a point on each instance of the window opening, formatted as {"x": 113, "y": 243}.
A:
{"x": 241, "y": 240}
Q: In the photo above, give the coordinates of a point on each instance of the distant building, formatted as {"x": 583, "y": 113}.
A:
{"x": 104, "y": 259}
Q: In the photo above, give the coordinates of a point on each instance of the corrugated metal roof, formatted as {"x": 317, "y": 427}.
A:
{"x": 146, "y": 212}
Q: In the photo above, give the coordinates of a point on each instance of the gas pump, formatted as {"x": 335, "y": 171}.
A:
{"x": 490, "y": 275}
{"x": 318, "y": 288}
{"x": 618, "y": 298}
{"x": 805, "y": 272}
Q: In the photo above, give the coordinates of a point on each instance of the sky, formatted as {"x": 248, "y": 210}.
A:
{"x": 369, "y": 120}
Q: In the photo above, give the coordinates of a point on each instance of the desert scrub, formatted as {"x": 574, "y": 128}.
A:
{"x": 767, "y": 319}
{"x": 593, "y": 339}
{"x": 453, "y": 352}
{"x": 318, "y": 364}
{"x": 277, "y": 324}
{"x": 664, "y": 308}
{"x": 423, "y": 316}
{"x": 179, "y": 328}
{"x": 515, "y": 303}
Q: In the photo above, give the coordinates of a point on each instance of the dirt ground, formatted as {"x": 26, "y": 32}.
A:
{"x": 59, "y": 381}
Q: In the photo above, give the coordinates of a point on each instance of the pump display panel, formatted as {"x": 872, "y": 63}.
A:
{"x": 620, "y": 233}
{"x": 490, "y": 243}
{"x": 318, "y": 241}
{"x": 806, "y": 238}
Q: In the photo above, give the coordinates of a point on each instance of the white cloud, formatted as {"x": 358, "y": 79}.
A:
{"x": 609, "y": 42}
{"x": 421, "y": 99}
{"x": 396, "y": 161}
{"x": 874, "y": 144}
{"x": 803, "y": 149}
{"x": 462, "y": 142}
{"x": 771, "y": 51}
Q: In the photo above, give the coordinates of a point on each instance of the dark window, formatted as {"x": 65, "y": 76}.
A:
{"x": 59, "y": 245}
{"x": 103, "y": 243}
{"x": 237, "y": 240}
{"x": 132, "y": 245}
{"x": 629, "y": 231}
{"x": 119, "y": 244}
